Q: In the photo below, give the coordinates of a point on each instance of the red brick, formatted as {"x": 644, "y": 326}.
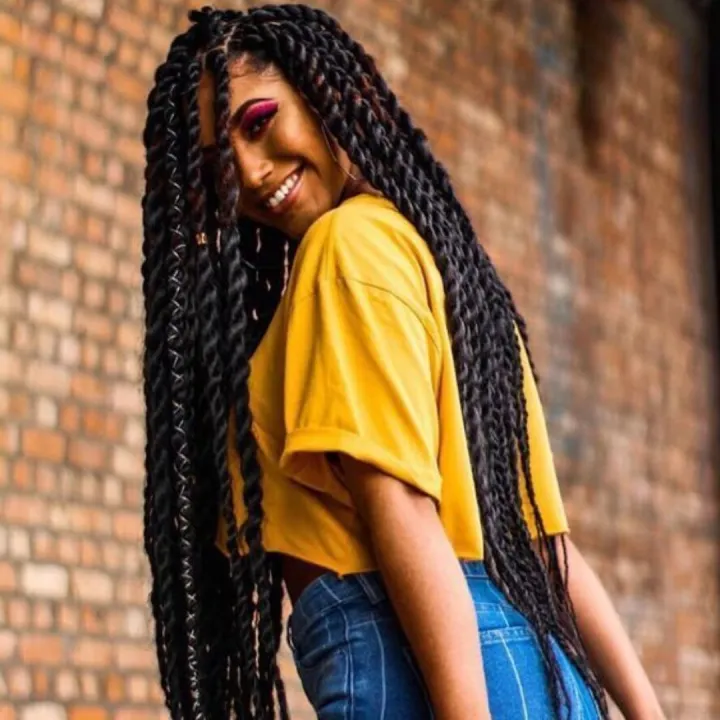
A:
{"x": 88, "y": 388}
{"x": 127, "y": 526}
{"x": 42, "y": 44}
{"x": 128, "y": 55}
{"x": 43, "y": 444}
{"x": 43, "y": 616}
{"x": 9, "y": 28}
{"x": 21, "y": 69}
{"x": 71, "y": 286}
{"x": 84, "y": 33}
{"x": 114, "y": 687}
{"x": 90, "y": 100}
{"x": 88, "y": 713}
{"x": 127, "y": 24}
{"x": 90, "y": 131}
{"x": 52, "y": 181}
{"x": 90, "y": 685}
{"x": 41, "y": 650}
{"x": 9, "y": 130}
{"x": 92, "y": 653}
{"x": 126, "y": 85}
{"x": 137, "y": 714}
{"x": 32, "y": 275}
{"x": 49, "y": 247}
{"x": 62, "y": 22}
{"x": 8, "y": 577}
{"x": 92, "y": 622}
{"x": 94, "y": 261}
{"x": 83, "y": 64}
{"x": 49, "y": 378}
{"x": 130, "y": 150}
{"x": 107, "y": 41}
{"x": 8, "y": 440}
{"x": 138, "y": 689}
{"x": 93, "y": 166}
{"x": 87, "y": 455}
{"x": 16, "y": 165}
{"x": 134, "y": 657}
{"x": 40, "y": 684}
{"x": 68, "y": 619}
{"x": 22, "y": 474}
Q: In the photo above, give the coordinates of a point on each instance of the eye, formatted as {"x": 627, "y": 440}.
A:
{"x": 259, "y": 125}
{"x": 258, "y": 118}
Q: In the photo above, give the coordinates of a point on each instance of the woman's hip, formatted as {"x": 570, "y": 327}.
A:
{"x": 355, "y": 662}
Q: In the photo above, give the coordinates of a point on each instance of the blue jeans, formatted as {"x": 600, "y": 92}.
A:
{"x": 356, "y": 664}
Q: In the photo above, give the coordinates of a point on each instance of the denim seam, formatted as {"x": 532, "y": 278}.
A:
{"x": 368, "y": 586}
{"x": 382, "y": 673}
{"x": 349, "y": 674}
{"x": 521, "y": 690}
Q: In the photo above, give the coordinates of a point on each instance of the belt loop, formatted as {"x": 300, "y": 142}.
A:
{"x": 372, "y": 586}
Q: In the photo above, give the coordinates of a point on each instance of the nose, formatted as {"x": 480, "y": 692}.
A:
{"x": 255, "y": 168}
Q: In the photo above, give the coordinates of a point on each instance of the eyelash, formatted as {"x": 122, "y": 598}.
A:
{"x": 255, "y": 127}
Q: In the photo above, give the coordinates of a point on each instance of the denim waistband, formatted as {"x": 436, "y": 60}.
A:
{"x": 330, "y": 590}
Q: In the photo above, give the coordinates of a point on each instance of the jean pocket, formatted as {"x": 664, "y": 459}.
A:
{"x": 325, "y": 676}
{"x": 317, "y": 641}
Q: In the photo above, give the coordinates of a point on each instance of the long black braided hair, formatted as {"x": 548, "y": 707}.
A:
{"x": 212, "y": 280}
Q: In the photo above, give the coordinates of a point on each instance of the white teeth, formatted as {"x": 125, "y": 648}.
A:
{"x": 282, "y": 192}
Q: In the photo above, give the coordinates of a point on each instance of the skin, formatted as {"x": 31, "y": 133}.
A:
{"x": 274, "y": 133}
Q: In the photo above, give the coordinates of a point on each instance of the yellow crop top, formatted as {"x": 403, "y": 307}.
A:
{"x": 357, "y": 360}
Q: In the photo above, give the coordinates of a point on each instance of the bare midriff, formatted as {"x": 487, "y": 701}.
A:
{"x": 298, "y": 574}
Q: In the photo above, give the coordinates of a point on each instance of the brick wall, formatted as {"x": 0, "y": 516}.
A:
{"x": 610, "y": 265}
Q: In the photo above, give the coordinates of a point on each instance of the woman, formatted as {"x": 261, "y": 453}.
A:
{"x": 334, "y": 368}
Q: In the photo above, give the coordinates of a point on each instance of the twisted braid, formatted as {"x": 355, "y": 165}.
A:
{"x": 161, "y": 535}
{"x": 207, "y": 304}
{"x": 238, "y": 365}
{"x": 179, "y": 342}
{"x": 155, "y": 302}
{"x": 216, "y": 606}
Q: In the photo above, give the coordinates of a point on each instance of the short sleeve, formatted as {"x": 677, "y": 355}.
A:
{"x": 360, "y": 379}
{"x": 542, "y": 466}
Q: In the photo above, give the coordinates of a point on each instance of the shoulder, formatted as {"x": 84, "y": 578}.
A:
{"x": 366, "y": 240}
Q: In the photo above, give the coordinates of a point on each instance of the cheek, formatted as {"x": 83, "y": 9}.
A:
{"x": 328, "y": 166}
{"x": 306, "y": 141}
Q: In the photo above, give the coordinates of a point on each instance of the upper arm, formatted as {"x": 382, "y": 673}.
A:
{"x": 376, "y": 494}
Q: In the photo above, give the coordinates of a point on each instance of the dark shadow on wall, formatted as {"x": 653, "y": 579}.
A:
{"x": 597, "y": 33}
{"x": 713, "y": 124}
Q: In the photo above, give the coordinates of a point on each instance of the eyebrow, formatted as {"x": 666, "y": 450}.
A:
{"x": 237, "y": 116}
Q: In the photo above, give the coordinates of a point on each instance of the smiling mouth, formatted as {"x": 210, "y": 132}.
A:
{"x": 282, "y": 198}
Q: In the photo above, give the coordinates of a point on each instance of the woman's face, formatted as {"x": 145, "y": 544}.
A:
{"x": 289, "y": 175}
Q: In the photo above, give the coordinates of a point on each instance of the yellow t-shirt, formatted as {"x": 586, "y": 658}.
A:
{"x": 357, "y": 360}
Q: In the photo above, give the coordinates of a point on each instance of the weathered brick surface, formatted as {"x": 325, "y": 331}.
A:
{"x": 610, "y": 266}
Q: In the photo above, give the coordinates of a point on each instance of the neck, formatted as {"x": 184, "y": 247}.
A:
{"x": 357, "y": 185}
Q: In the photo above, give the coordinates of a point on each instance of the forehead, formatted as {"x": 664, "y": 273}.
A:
{"x": 246, "y": 83}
